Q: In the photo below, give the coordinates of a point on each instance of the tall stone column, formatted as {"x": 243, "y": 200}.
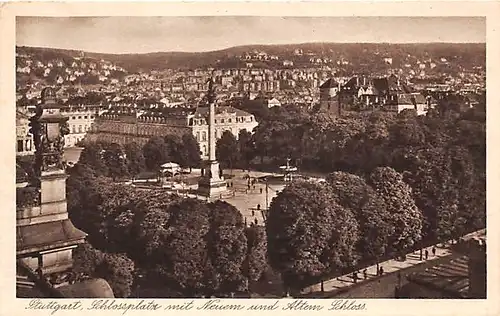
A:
{"x": 211, "y": 184}
{"x": 211, "y": 132}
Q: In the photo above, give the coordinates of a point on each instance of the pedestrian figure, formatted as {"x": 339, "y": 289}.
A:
{"x": 365, "y": 274}
{"x": 426, "y": 254}
{"x": 258, "y": 207}
{"x": 434, "y": 251}
{"x": 355, "y": 277}
{"x": 260, "y": 190}
{"x": 322, "y": 287}
{"x": 381, "y": 271}
{"x": 246, "y": 222}
{"x": 253, "y": 213}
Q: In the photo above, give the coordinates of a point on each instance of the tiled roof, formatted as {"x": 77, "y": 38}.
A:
{"x": 203, "y": 111}
{"x": 411, "y": 98}
{"x": 330, "y": 83}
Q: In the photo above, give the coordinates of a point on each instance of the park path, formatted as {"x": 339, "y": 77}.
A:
{"x": 389, "y": 266}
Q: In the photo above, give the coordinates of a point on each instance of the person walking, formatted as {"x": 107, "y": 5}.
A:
{"x": 426, "y": 254}
{"x": 381, "y": 271}
{"x": 365, "y": 274}
{"x": 260, "y": 190}
{"x": 355, "y": 277}
{"x": 433, "y": 251}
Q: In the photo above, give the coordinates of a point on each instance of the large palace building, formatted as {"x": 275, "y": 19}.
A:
{"x": 126, "y": 125}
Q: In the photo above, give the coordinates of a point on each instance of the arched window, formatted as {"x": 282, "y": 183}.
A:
{"x": 73, "y": 129}
{"x": 204, "y": 136}
{"x": 79, "y": 128}
{"x": 198, "y": 136}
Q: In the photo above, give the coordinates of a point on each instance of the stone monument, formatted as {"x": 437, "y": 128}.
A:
{"x": 45, "y": 234}
{"x": 211, "y": 183}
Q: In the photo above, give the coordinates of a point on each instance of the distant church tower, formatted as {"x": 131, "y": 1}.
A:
{"x": 330, "y": 98}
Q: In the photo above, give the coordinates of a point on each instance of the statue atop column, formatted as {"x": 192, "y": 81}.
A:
{"x": 211, "y": 96}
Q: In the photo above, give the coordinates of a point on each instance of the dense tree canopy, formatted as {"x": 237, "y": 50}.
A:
{"x": 370, "y": 210}
{"x": 404, "y": 216}
{"x": 227, "y": 150}
{"x": 309, "y": 233}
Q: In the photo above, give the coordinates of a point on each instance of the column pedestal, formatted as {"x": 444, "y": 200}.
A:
{"x": 211, "y": 184}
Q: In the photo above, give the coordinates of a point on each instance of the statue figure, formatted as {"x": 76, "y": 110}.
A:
{"x": 211, "y": 90}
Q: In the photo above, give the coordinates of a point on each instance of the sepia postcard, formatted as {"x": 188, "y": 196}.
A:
{"x": 253, "y": 157}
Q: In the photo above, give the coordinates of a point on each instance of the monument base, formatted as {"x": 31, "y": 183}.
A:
{"x": 211, "y": 184}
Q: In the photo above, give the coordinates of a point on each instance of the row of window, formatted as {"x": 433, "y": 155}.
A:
{"x": 222, "y": 121}
{"x": 80, "y": 129}
{"x": 202, "y": 137}
{"x": 80, "y": 117}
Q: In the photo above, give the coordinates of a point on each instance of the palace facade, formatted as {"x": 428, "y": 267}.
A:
{"x": 125, "y": 125}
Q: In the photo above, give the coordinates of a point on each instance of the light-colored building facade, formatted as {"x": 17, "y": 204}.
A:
{"x": 24, "y": 139}
{"x": 126, "y": 127}
{"x": 80, "y": 121}
{"x": 226, "y": 119}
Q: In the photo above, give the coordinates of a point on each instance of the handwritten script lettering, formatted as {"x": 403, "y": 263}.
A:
{"x": 53, "y": 306}
{"x": 124, "y": 306}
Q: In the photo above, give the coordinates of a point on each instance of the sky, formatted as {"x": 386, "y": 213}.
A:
{"x": 198, "y": 34}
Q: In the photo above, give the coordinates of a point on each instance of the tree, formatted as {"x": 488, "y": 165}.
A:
{"x": 405, "y": 216}
{"x": 246, "y": 148}
{"x": 136, "y": 163}
{"x": 371, "y": 213}
{"x": 184, "y": 249}
{"x": 257, "y": 252}
{"x": 309, "y": 234}
{"x": 226, "y": 150}
{"x": 174, "y": 147}
{"x": 190, "y": 152}
{"x": 115, "y": 160}
{"x": 85, "y": 260}
{"x": 118, "y": 270}
{"x": 155, "y": 153}
{"x": 227, "y": 247}
{"x": 91, "y": 155}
